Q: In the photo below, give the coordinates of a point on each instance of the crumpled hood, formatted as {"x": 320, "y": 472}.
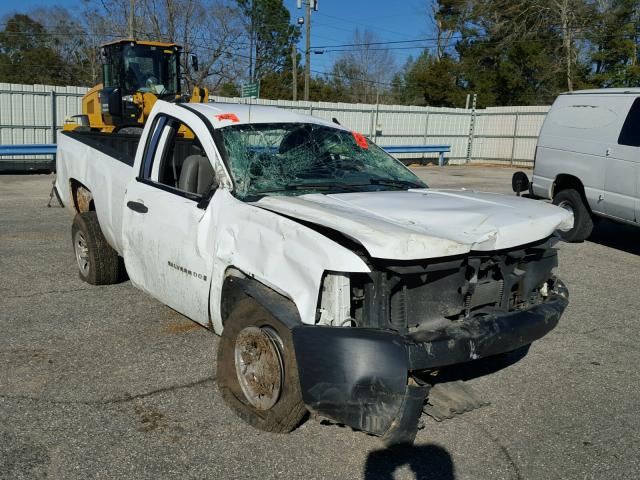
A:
{"x": 426, "y": 223}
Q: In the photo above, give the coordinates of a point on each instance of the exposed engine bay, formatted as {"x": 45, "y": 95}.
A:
{"x": 417, "y": 296}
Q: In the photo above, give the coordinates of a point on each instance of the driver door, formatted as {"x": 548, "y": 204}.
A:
{"x": 167, "y": 230}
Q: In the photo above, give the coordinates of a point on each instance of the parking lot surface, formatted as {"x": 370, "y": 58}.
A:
{"x": 106, "y": 382}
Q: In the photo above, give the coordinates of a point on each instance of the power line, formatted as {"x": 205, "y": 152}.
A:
{"x": 351, "y": 22}
{"x": 432, "y": 43}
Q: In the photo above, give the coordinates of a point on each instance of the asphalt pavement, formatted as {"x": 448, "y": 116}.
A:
{"x": 106, "y": 382}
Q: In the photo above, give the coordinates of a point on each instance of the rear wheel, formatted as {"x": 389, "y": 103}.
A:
{"x": 571, "y": 200}
{"x": 257, "y": 371}
{"x": 98, "y": 263}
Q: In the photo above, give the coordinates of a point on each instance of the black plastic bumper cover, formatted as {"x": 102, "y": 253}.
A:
{"x": 359, "y": 376}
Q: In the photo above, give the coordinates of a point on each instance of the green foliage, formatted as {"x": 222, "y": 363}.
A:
{"x": 613, "y": 44}
{"x": 269, "y": 29}
{"x": 509, "y": 52}
{"x": 27, "y": 56}
{"x": 523, "y": 52}
{"x": 522, "y": 73}
{"x": 229, "y": 89}
{"x": 427, "y": 81}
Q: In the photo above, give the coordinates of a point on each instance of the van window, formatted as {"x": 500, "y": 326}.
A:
{"x": 630, "y": 133}
{"x": 583, "y": 116}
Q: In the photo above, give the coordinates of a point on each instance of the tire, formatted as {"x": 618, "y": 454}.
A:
{"x": 583, "y": 223}
{"x": 98, "y": 263}
{"x": 279, "y": 412}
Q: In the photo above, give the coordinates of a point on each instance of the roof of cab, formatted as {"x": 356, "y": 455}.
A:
{"x": 225, "y": 114}
{"x": 610, "y": 91}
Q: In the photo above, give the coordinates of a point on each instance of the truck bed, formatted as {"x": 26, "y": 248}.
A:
{"x": 120, "y": 147}
{"x": 102, "y": 164}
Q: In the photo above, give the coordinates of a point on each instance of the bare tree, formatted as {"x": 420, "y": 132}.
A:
{"x": 365, "y": 70}
{"x": 446, "y": 17}
{"x": 211, "y": 29}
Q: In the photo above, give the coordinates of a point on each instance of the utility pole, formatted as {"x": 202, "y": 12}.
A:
{"x": 307, "y": 52}
{"x": 294, "y": 70}
{"x": 251, "y": 29}
{"x": 132, "y": 19}
{"x": 309, "y": 4}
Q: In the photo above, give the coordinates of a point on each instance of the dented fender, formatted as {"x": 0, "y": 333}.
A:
{"x": 280, "y": 253}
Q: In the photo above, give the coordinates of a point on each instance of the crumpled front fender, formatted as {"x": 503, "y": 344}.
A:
{"x": 358, "y": 376}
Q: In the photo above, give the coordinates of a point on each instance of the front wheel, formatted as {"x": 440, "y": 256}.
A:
{"x": 571, "y": 200}
{"x": 257, "y": 370}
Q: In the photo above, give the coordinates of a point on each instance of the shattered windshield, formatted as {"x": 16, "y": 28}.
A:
{"x": 297, "y": 158}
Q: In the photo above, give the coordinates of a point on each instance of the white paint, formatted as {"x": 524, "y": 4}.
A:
{"x": 170, "y": 249}
{"x": 427, "y": 223}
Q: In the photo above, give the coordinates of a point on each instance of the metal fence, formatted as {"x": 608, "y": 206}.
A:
{"x": 504, "y": 135}
{"x": 32, "y": 114}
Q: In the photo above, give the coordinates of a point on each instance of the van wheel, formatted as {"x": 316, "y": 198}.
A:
{"x": 98, "y": 263}
{"x": 257, "y": 370}
{"x": 571, "y": 200}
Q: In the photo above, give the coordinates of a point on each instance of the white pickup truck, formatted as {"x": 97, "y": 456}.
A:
{"x": 334, "y": 276}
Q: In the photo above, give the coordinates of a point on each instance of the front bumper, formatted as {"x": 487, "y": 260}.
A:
{"x": 360, "y": 376}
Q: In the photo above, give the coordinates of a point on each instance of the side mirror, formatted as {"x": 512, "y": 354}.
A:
{"x": 519, "y": 182}
{"x": 194, "y": 62}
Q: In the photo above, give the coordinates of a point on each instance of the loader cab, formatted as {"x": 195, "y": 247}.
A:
{"x": 134, "y": 71}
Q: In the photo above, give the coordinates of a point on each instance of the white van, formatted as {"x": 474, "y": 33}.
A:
{"x": 588, "y": 158}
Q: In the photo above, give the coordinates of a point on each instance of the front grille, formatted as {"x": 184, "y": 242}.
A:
{"x": 428, "y": 295}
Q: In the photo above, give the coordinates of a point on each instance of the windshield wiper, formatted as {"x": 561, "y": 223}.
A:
{"x": 313, "y": 186}
{"x": 395, "y": 183}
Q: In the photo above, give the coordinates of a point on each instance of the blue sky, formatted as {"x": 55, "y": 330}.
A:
{"x": 332, "y": 24}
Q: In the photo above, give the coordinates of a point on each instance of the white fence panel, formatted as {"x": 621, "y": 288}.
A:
{"x": 32, "y": 114}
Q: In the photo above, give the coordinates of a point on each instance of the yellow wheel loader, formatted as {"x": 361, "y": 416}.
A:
{"x": 135, "y": 73}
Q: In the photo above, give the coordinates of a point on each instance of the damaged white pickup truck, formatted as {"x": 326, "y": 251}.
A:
{"x": 333, "y": 274}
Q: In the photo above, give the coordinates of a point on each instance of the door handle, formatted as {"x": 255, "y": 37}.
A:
{"x": 137, "y": 207}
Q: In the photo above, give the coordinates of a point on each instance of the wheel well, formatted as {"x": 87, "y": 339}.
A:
{"x": 82, "y": 197}
{"x": 565, "y": 182}
{"x": 236, "y": 289}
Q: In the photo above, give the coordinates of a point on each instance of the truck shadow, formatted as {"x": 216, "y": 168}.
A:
{"x": 426, "y": 462}
{"x": 618, "y": 236}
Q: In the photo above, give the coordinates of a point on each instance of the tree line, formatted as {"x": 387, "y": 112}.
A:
{"x": 508, "y": 52}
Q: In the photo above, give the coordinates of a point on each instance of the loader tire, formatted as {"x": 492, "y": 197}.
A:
{"x": 257, "y": 370}
{"x": 571, "y": 200}
{"x": 98, "y": 263}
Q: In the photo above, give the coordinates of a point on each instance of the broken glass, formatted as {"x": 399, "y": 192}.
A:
{"x": 297, "y": 158}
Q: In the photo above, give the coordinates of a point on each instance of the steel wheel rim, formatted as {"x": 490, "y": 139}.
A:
{"x": 259, "y": 366}
{"x": 82, "y": 252}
